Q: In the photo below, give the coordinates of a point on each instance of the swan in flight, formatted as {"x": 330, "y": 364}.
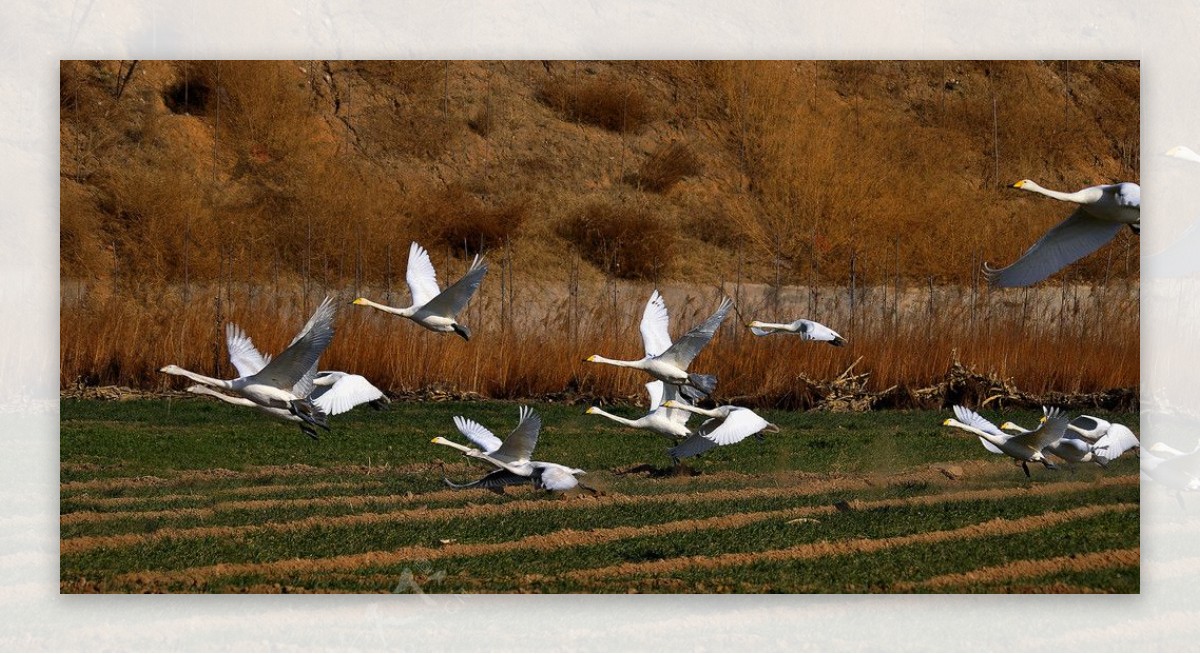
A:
{"x": 511, "y": 457}
{"x": 667, "y": 361}
{"x": 431, "y": 309}
{"x": 1102, "y": 210}
{"x": 283, "y": 382}
{"x": 1070, "y": 448}
{"x": 726, "y": 425}
{"x": 807, "y": 329}
{"x": 1026, "y": 447}
{"x": 1091, "y": 439}
{"x": 336, "y": 392}
{"x": 661, "y": 419}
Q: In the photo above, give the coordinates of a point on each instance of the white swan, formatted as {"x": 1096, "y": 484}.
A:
{"x": 1109, "y": 439}
{"x": 336, "y": 392}
{"x": 1026, "y": 447}
{"x": 283, "y": 415}
{"x": 661, "y": 419}
{"x": 1102, "y": 210}
{"x": 511, "y": 457}
{"x": 431, "y": 309}
{"x": 1070, "y": 448}
{"x": 282, "y": 382}
{"x": 667, "y": 361}
{"x": 807, "y": 329}
{"x": 726, "y": 425}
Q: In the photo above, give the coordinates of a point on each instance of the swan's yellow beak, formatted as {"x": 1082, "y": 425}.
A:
{"x": 670, "y": 404}
{"x": 1008, "y": 425}
{"x": 361, "y": 300}
{"x": 591, "y": 358}
{"x": 591, "y": 409}
{"x": 947, "y": 421}
{"x": 1019, "y": 184}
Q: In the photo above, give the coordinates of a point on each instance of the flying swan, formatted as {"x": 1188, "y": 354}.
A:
{"x": 1102, "y": 210}
{"x": 430, "y": 309}
{"x": 726, "y": 425}
{"x": 807, "y": 329}
{"x": 667, "y": 361}
{"x": 281, "y": 382}
{"x": 661, "y": 418}
{"x": 1024, "y": 448}
{"x": 1090, "y": 439}
{"x": 511, "y": 457}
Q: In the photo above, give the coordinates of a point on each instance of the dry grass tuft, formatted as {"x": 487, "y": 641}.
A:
{"x": 614, "y": 105}
{"x": 622, "y": 239}
{"x": 464, "y": 224}
{"x": 668, "y": 165}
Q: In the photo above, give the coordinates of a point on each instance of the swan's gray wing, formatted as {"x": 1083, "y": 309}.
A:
{"x": 683, "y": 351}
{"x": 300, "y": 358}
{"x": 452, "y": 300}
{"x": 655, "y": 319}
{"x": 1072, "y": 239}
{"x": 498, "y": 478}
{"x": 246, "y": 358}
{"x": 518, "y": 446}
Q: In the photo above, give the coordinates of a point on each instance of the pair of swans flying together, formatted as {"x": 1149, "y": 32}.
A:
{"x": 432, "y": 308}
{"x": 511, "y": 457}
{"x": 288, "y": 387}
{"x": 1101, "y": 213}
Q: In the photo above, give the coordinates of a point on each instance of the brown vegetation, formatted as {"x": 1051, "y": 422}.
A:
{"x": 199, "y": 192}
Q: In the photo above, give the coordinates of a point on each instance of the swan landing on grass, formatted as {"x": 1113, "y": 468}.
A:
{"x": 431, "y": 309}
{"x": 1101, "y": 213}
{"x": 1024, "y": 448}
{"x": 668, "y": 362}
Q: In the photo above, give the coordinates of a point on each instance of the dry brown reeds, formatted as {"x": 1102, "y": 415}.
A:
{"x": 614, "y": 104}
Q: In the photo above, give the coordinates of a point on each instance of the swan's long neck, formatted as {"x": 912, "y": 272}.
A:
{"x": 205, "y": 390}
{"x": 784, "y": 326}
{"x": 1015, "y": 427}
{"x": 407, "y": 312}
{"x": 711, "y": 413}
{"x": 991, "y": 438}
{"x": 1077, "y": 196}
{"x": 596, "y": 358}
{"x": 209, "y": 381}
{"x": 449, "y": 443}
{"x": 624, "y": 421}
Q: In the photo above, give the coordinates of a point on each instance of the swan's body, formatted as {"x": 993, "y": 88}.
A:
{"x": 282, "y": 415}
{"x": 337, "y": 392}
{"x": 511, "y": 457}
{"x": 1101, "y": 213}
{"x": 806, "y": 329}
{"x": 431, "y": 309}
{"x": 726, "y": 425}
{"x": 661, "y": 419}
{"x": 283, "y": 382}
{"x": 1069, "y": 448}
{"x": 1024, "y": 448}
{"x": 668, "y": 362}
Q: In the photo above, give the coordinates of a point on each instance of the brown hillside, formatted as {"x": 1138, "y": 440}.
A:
{"x": 197, "y": 171}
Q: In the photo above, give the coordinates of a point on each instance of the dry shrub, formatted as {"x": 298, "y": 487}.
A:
{"x": 623, "y": 240}
{"x": 615, "y": 105}
{"x": 421, "y": 78}
{"x": 464, "y": 224}
{"x": 668, "y": 165}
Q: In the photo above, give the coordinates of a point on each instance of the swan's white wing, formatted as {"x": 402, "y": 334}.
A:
{"x": 683, "y": 351}
{"x": 421, "y": 277}
{"x": 518, "y": 446}
{"x": 1116, "y": 442}
{"x": 1072, "y": 239}
{"x": 977, "y": 421}
{"x": 300, "y": 358}
{"x": 346, "y": 393}
{"x": 246, "y": 358}
{"x": 740, "y": 424}
{"x": 556, "y": 478}
{"x": 990, "y": 446}
{"x": 481, "y": 436}
{"x": 695, "y": 444}
{"x": 1051, "y": 429}
{"x": 1090, "y": 428}
{"x": 452, "y": 300}
{"x": 655, "y": 335}
{"x": 815, "y": 331}
{"x": 655, "y": 388}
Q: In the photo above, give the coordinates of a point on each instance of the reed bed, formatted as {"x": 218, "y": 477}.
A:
{"x": 530, "y": 339}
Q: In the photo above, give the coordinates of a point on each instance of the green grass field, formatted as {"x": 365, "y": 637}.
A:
{"x": 197, "y": 496}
